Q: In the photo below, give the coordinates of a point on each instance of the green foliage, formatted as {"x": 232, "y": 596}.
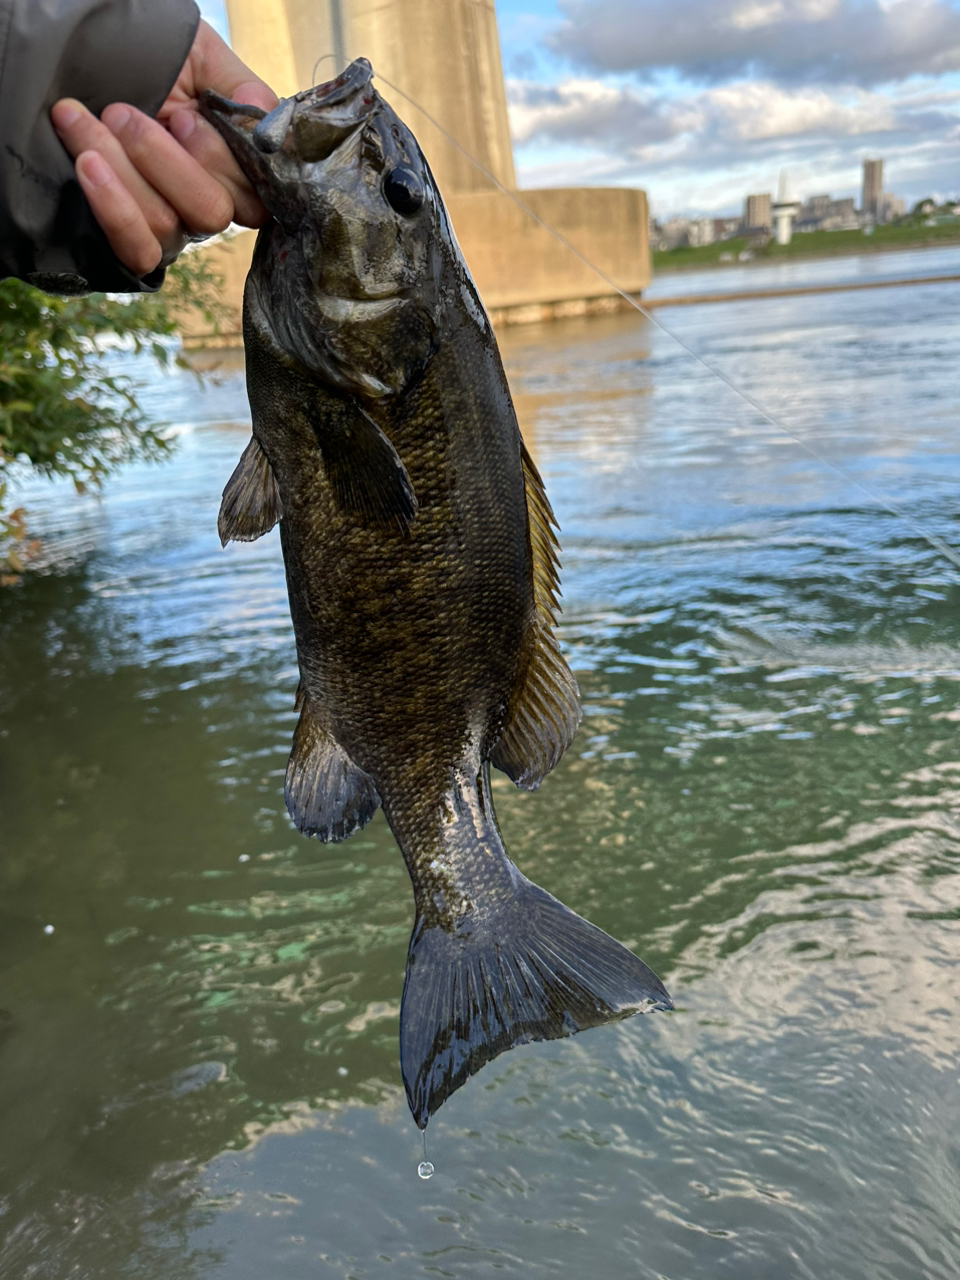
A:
{"x": 17, "y": 548}
{"x": 63, "y": 410}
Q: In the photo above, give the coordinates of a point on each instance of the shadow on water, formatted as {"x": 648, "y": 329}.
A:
{"x": 198, "y": 1066}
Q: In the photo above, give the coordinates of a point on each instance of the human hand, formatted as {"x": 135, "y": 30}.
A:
{"x": 152, "y": 184}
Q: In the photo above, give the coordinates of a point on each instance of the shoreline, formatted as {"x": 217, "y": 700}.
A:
{"x": 740, "y": 295}
{"x": 814, "y": 255}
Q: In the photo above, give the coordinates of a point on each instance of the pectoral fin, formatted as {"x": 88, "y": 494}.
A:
{"x": 544, "y": 712}
{"x": 366, "y": 471}
{"x": 327, "y": 795}
{"x": 251, "y": 499}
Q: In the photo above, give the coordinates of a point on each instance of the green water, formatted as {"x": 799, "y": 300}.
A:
{"x": 198, "y": 1065}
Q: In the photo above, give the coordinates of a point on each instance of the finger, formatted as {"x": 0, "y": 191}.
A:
{"x": 212, "y": 64}
{"x": 81, "y": 131}
{"x": 200, "y": 199}
{"x": 214, "y": 157}
{"x": 216, "y": 66}
{"x": 119, "y": 214}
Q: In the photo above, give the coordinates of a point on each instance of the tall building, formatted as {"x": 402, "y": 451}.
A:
{"x": 872, "y": 189}
{"x": 758, "y": 213}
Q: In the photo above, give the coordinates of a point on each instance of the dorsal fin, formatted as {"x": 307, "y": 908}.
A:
{"x": 543, "y": 714}
{"x": 251, "y": 499}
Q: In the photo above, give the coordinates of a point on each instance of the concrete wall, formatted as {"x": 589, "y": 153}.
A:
{"x": 522, "y": 271}
{"x": 516, "y": 262}
{"x": 446, "y": 55}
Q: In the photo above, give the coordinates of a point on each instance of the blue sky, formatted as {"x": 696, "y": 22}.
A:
{"x": 701, "y": 101}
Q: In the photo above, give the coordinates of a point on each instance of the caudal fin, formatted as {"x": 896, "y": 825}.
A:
{"x": 527, "y": 968}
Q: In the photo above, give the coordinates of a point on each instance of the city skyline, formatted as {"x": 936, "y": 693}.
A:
{"x": 819, "y": 212}
{"x": 699, "y": 101}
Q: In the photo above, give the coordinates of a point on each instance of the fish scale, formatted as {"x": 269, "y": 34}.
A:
{"x": 422, "y": 573}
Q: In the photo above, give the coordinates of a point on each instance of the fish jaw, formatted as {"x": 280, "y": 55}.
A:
{"x": 273, "y": 148}
{"x": 359, "y": 248}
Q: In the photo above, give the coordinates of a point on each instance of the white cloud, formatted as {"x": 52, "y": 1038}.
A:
{"x": 850, "y": 42}
{"x": 629, "y": 121}
{"x": 702, "y": 150}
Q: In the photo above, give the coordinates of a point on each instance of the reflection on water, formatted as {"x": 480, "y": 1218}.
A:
{"x": 198, "y": 1066}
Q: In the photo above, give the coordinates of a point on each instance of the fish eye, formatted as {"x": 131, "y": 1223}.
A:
{"x": 404, "y": 190}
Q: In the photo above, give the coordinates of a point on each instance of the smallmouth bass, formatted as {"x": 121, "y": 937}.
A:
{"x": 422, "y": 572}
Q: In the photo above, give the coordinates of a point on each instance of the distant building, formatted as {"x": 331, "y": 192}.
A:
{"x": 891, "y": 207}
{"x": 700, "y": 232}
{"x": 872, "y": 190}
{"x": 814, "y": 208}
{"x": 679, "y": 232}
{"x": 758, "y": 213}
{"x": 841, "y": 216}
{"x": 725, "y": 228}
{"x": 821, "y": 213}
{"x": 673, "y": 233}
{"x": 784, "y": 211}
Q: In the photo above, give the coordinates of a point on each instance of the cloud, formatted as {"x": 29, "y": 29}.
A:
{"x": 706, "y": 144}
{"x": 587, "y": 112}
{"x": 791, "y": 42}
{"x": 631, "y": 122}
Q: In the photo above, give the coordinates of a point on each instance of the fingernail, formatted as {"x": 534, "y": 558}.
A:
{"x": 92, "y": 166}
{"x": 182, "y": 124}
{"x": 118, "y": 118}
{"x": 66, "y": 112}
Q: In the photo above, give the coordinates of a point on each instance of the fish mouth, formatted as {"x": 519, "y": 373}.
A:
{"x": 307, "y": 127}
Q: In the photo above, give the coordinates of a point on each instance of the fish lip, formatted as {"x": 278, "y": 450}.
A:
{"x": 348, "y": 99}
{"x": 221, "y": 112}
{"x": 270, "y": 133}
{"x": 357, "y": 76}
{"x": 215, "y": 107}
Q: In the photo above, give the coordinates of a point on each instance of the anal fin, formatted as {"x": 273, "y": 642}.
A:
{"x": 327, "y": 795}
{"x": 251, "y": 500}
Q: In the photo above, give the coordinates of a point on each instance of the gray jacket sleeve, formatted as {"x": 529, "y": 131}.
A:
{"x": 99, "y": 51}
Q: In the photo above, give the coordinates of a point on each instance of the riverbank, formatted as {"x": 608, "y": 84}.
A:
{"x": 813, "y": 244}
{"x": 730, "y": 295}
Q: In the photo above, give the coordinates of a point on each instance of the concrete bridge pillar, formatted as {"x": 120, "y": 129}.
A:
{"x": 444, "y": 53}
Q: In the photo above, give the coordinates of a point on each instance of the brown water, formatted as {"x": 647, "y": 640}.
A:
{"x": 198, "y": 1066}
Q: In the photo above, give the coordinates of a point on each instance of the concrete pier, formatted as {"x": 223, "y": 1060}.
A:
{"x": 446, "y": 55}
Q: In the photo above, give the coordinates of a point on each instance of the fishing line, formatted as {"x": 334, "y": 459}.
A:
{"x": 932, "y": 539}
{"x": 323, "y": 58}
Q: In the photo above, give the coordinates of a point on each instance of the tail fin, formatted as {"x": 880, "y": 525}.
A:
{"x": 527, "y": 968}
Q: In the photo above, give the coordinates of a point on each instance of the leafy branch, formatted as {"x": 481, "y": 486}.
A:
{"x": 64, "y": 411}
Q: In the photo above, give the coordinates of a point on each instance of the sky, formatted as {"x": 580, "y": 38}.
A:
{"x": 702, "y": 101}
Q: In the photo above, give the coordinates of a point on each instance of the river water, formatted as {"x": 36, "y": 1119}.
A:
{"x": 198, "y": 1064}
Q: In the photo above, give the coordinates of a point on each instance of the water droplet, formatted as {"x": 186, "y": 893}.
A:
{"x": 244, "y": 857}
{"x": 342, "y": 1071}
{"x": 425, "y": 1169}
{"x": 48, "y": 928}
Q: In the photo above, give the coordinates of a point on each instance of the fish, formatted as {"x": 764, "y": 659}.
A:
{"x": 422, "y": 570}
